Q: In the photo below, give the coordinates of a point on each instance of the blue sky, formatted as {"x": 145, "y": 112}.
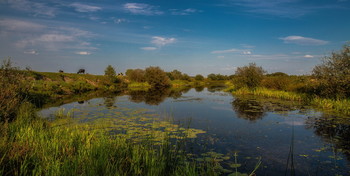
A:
{"x": 193, "y": 36}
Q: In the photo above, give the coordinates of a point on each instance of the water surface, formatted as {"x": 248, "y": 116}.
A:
{"x": 287, "y": 137}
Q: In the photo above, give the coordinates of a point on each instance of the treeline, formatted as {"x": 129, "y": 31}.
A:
{"x": 330, "y": 79}
{"x": 157, "y": 77}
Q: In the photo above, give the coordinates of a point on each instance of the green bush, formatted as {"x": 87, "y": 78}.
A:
{"x": 13, "y": 90}
{"x": 277, "y": 82}
{"x": 111, "y": 74}
{"x": 136, "y": 75}
{"x": 249, "y": 76}
{"x": 156, "y": 77}
{"x": 199, "y": 77}
{"x": 333, "y": 75}
{"x": 81, "y": 87}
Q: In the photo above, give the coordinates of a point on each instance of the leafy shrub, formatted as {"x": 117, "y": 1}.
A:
{"x": 13, "y": 90}
{"x": 199, "y": 77}
{"x": 333, "y": 75}
{"x": 276, "y": 82}
{"x": 249, "y": 76}
{"x": 217, "y": 77}
{"x": 111, "y": 74}
{"x": 137, "y": 75}
{"x": 81, "y": 87}
{"x": 156, "y": 77}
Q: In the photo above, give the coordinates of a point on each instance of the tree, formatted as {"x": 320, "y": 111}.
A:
{"x": 110, "y": 73}
{"x": 156, "y": 77}
{"x": 199, "y": 77}
{"x": 211, "y": 76}
{"x": 137, "y": 75}
{"x": 333, "y": 74}
{"x": 249, "y": 76}
{"x": 185, "y": 77}
{"x": 175, "y": 74}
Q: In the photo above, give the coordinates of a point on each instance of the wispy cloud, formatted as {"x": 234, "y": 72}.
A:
{"x": 12, "y": 25}
{"x": 188, "y": 11}
{"x": 30, "y": 35}
{"x": 149, "y": 48}
{"x": 85, "y": 8}
{"x": 309, "y": 56}
{"x": 162, "y": 41}
{"x": 303, "y": 40}
{"x": 33, "y": 52}
{"x": 159, "y": 42}
{"x": 84, "y": 53}
{"x": 142, "y": 9}
{"x": 233, "y": 50}
{"x": 34, "y": 8}
{"x": 280, "y": 8}
{"x": 220, "y": 57}
{"x": 120, "y": 20}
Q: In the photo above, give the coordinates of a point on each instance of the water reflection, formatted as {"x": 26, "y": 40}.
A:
{"x": 156, "y": 96}
{"x": 249, "y": 109}
{"x": 109, "y": 101}
{"x": 215, "y": 88}
{"x": 199, "y": 88}
{"x": 333, "y": 130}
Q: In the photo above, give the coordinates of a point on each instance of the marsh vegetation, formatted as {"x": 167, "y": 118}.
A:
{"x": 152, "y": 122}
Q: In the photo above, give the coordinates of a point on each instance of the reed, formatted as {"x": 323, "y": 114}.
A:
{"x": 271, "y": 94}
{"x": 339, "y": 106}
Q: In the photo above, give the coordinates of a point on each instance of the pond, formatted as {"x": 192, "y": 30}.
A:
{"x": 288, "y": 138}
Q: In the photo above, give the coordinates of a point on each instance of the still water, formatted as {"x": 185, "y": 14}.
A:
{"x": 238, "y": 132}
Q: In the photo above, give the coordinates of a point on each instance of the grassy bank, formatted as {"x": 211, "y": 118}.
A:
{"x": 340, "y": 106}
{"x": 33, "y": 146}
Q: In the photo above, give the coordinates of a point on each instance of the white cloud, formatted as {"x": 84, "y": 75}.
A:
{"x": 309, "y": 56}
{"x": 188, "y": 11}
{"x": 303, "y": 40}
{"x": 33, "y": 35}
{"x": 85, "y": 8}
{"x": 31, "y": 52}
{"x": 221, "y": 57}
{"x": 233, "y": 50}
{"x": 55, "y": 38}
{"x": 35, "y": 8}
{"x": 119, "y": 20}
{"x": 149, "y": 48}
{"x": 247, "y": 52}
{"x": 161, "y": 41}
{"x": 280, "y": 8}
{"x": 12, "y": 25}
{"x": 84, "y": 53}
{"x": 142, "y": 9}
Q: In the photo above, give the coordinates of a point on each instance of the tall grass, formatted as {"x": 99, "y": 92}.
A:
{"x": 341, "y": 106}
{"x": 31, "y": 146}
{"x": 268, "y": 93}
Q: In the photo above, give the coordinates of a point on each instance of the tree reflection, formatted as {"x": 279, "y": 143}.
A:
{"x": 109, "y": 101}
{"x": 248, "y": 109}
{"x": 215, "y": 88}
{"x": 334, "y": 130}
{"x": 151, "y": 97}
{"x": 155, "y": 96}
{"x": 199, "y": 88}
{"x": 137, "y": 96}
